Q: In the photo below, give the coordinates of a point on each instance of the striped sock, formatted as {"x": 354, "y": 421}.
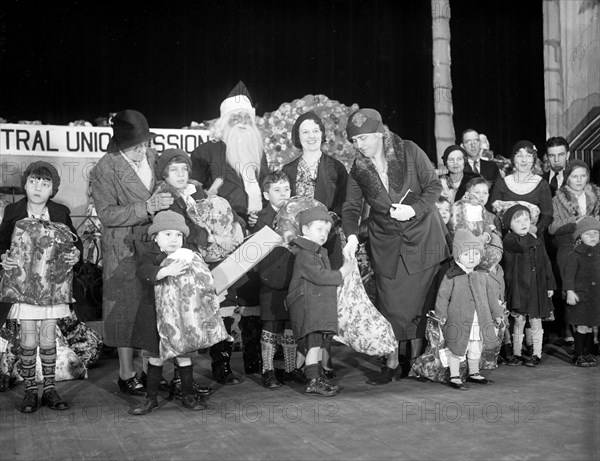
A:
{"x": 28, "y": 362}
{"x": 48, "y": 358}
{"x": 289, "y": 350}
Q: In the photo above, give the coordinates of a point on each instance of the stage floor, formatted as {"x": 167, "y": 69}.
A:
{"x": 546, "y": 413}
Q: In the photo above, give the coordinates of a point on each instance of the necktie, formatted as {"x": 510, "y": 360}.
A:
{"x": 554, "y": 182}
{"x": 476, "y": 166}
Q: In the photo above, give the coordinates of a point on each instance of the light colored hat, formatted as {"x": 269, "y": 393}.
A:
{"x": 237, "y": 99}
{"x": 168, "y": 220}
{"x": 464, "y": 240}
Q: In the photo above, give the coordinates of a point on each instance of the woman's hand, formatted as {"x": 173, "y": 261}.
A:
{"x": 158, "y": 202}
{"x": 572, "y": 298}
{"x": 402, "y": 212}
{"x": 550, "y": 293}
{"x": 351, "y": 247}
{"x": 8, "y": 262}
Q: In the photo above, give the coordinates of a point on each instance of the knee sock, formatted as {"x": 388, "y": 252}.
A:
{"x": 537, "y": 335}
{"x": 589, "y": 343}
{"x": 312, "y": 371}
{"x": 473, "y": 366}
{"x": 580, "y": 339}
{"x": 268, "y": 346}
{"x": 187, "y": 380}
{"x": 518, "y": 335}
{"x": 154, "y": 374}
{"x": 48, "y": 358}
{"x": 289, "y": 350}
{"x": 28, "y": 362}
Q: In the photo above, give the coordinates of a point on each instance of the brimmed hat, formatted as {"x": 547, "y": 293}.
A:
{"x": 237, "y": 99}
{"x": 130, "y": 128}
{"x": 465, "y": 240}
{"x": 168, "y": 220}
{"x": 167, "y": 156}
{"x": 314, "y": 214}
{"x": 36, "y": 166}
{"x": 364, "y": 121}
{"x": 586, "y": 224}
{"x": 310, "y": 115}
{"x": 507, "y": 218}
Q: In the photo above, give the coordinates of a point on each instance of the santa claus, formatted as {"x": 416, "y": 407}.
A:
{"x": 233, "y": 165}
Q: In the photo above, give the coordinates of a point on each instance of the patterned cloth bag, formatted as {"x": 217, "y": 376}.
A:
{"x": 429, "y": 364}
{"x": 360, "y": 325}
{"x": 187, "y": 308}
{"x": 81, "y": 339}
{"x": 216, "y": 216}
{"x": 286, "y": 221}
{"x": 42, "y": 277}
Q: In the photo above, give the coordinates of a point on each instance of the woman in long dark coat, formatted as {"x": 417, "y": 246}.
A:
{"x": 406, "y": 233}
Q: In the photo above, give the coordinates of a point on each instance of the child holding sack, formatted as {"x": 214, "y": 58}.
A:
{"x": 48, "y": 242}
{"x": 174, "y": 323}
{"x": 466, "y": 304}
{"x": 312, "y": 296}
{"x": 582, "y": 283}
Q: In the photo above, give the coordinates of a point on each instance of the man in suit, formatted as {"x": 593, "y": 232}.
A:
{"x": 557, "y": 152}
{"x": 475, "y": 162}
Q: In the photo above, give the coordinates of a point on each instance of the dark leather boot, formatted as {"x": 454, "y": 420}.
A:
{"x": 251, "y": 329}
{"x": 221, "y": 354}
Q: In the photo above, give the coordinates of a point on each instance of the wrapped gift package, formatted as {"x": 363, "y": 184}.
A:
{"x": 244, "y": 258}
{"x": 187, "y": 310}
{"x": 42, "y": 277}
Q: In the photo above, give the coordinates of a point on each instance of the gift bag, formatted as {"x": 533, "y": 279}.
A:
{"x": 360, "y": 325}
{"x": 81, "y": 339}
{"x": 433, "y": 363}
{"x": 42, "y": 277}
{"x": 216, "y": 216}
{"x": 187, "y": 309}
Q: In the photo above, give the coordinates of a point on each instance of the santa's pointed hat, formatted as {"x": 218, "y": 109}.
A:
{"x": 237, "y": 99}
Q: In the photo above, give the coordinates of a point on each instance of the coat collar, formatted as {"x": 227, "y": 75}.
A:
{"x": 582, "y": 248}
{"x": 455, "y": 270}
{"x": 306, "y": 244}
{"x": 567, "y": 199}
{"x": 127, "y": 175}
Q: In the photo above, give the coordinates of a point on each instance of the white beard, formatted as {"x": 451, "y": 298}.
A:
{"x": 244, "y": 149}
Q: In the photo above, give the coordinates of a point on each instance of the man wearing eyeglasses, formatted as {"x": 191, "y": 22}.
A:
{"x": 475, "y": 162}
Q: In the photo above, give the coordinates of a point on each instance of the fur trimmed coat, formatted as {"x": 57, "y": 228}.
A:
{"x": 419, "y": 243}
{"x": 461, "y": 295}
{"x": 566, "y": 212}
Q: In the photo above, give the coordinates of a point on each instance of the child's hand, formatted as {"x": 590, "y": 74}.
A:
{"x": 8, "y": 263}
{"x": 346, "y": 269}
{"x": 572, "y": 298}
{"x": 498, "y": 321}
{"x": 351, "y": 247}
{"x": 72, "y": 258}
{"x": 550, "y": 293}
{"x": 176, "y": 268}
{"x": 484, "y": 238}
{"x": 533, "y": 230}
{"x": 158, "y": 202}
{"x": 252, "y": 219}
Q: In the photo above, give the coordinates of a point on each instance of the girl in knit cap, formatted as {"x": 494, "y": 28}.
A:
{"x": 466, "y": 304}
{"x": 529, "y": 282}
{"x": 178, "y": 308}
{"x": 46, "y": 232}
{"x": 582, "y": 283}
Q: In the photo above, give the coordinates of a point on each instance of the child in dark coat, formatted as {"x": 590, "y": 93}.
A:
{"x": 529, "y": 282}
{"x": 275, "y": 272}
{"x": 312, "y": 297}
{"x": 466, "y": 304}
{"x": 581, "y": 281}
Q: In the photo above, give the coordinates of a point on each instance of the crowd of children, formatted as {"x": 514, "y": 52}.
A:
{"x": 498, "y": 266}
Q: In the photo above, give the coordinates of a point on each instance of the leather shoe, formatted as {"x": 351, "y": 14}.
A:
{"x": 269, "y": 380}
{"x": 131, "y": 386}
{"x": 191, "y": 403}
{"x": 385, "y": 376}
{"x": 480, "y": 380}
{"x": 460, "y": 386}
{"x": 52, "y": 400}
{"x": 145, "y": 407}
{"x": 30, "y": 402}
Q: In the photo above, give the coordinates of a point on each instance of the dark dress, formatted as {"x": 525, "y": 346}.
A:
{"x": 582, "y": 275}
{"x": 15, "y": 212}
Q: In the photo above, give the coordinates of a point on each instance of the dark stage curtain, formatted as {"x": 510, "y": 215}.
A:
{"x": 176, "y": 61}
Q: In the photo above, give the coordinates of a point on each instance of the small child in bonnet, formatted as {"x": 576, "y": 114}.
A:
{"x": 466, "y": 304}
